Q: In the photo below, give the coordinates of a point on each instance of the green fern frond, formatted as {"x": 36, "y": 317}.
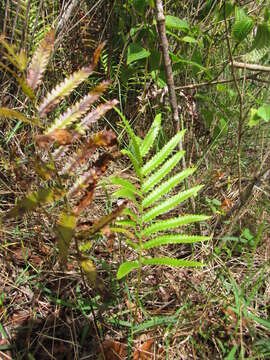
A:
{"x": 173, "y": 223}
{"x": 156, "y": 177}
{"x": 163, "y": 154}
{"x": 174, "y": 239}
{"x": 13, "y": 114}
{"x": 125, "y": 184}
{"x": 126, "y": 268}
{"x": 172, "y": 262}
{"x": 151, "y": 135}
{"x": 170, "y": 203}
{"x": 165, "y": 187}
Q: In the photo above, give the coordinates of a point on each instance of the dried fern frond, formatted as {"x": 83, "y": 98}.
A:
{"x": 40, "y": 60}
{"x": 68, "y": 85}
{"x": 79, "y": 109}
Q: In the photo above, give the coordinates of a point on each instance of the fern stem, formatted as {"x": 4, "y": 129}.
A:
{"x": 140, "y": 255}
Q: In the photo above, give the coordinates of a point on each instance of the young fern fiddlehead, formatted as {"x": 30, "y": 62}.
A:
{"x": 150, "y": 197}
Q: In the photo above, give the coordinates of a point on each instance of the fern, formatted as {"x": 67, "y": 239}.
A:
{"x": 151, "y": 198}
{"x": 74, "y": 176}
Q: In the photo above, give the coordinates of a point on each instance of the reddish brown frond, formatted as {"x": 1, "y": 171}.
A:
{"x": 68, "y": 85}
{"x": 79, "y": 109}
{"x": 97, "y": 113}
{"x": 40, "y": 60}
{"x": 61, "y": 136}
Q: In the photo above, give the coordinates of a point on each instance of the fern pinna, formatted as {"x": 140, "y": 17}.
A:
{"x": 151, "y": 198}
{"x": 66, "y": 173}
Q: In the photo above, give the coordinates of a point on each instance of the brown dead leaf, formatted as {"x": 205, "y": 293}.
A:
{"x": 114, "y": 350}
{"x": 145, "y": 351}
{"x": 61, "y": 136}
{"x": 227, "y": 204}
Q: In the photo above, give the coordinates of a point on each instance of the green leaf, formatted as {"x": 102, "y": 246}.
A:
{"x": 132, "y": 136}
{"x": 124, "y": 194}
{"x": 169, "y": 204}
{"x": 256, "y": 115}
{"x": 157, "y": 176}
{"x": 173, "y": 223}
{"x": 242, "y": 26}
{"x": 173, "y": 22}
{"x": 136, "y": 52}
{"x": 163, "y": 154}
{"x": 133, "y": 161}
{"x": 125, "y": 183}
{"x": 165, "y": 187}
{"x": 177, "y": 59}
{"x": 151, "y": 135}
{"x": 189, "y": 39}
{"x": 13, "y": 114}
{"x": 89, "y": 270}
{"x": 126, "y": 223}
{"x": 174, "y": 239}
{"x": 65, "y": 231}
{"x": 262, "y": 37}
{"x": 126, "y": 268}
{"x": 172, "y": 262}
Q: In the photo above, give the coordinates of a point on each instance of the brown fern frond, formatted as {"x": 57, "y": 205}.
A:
{"x": 40, "y": 60}
{"x": 79, "y": 109}
{"x": 96, "y": 114}
{"x": 68, "y": 85}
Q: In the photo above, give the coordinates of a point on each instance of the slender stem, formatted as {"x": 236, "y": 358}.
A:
{"x": 240, "y": 94}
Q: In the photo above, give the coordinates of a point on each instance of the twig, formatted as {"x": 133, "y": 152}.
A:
{"x": 252, "y": 67}
{"x": 168, "y": 66}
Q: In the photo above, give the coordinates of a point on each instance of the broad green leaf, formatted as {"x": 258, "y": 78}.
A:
{"x": 170, "y": 204}
{"x": 157, "y": 176}
{"x": 165, "y": 187}
{"x": 125, "y": 183}
{"x": 172, "y": 262}
{"x": 34, "y": 199}
{"x": 163, "y": 154}
{"x": 177, "y": 59}
{"x": 242, "y": 26}
{"x": 151, "y": 135}
{"x": 126, "y": 268}
{"x": 65, "y": 231}
{"x": 256, "y": 115}
{"x": 124, "y": 194}
{"x": 136, "y": 52}
{"x": 189, "y": 39}
{"x": 173, "y": 223}
{"x": 13, "y": 114}
{"x": 174, "y": 239}
{"x": 173, "y": 22}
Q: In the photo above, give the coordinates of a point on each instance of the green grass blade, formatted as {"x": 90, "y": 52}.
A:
{"x": 154, "y": 179}
{"x": 126, "y": 268}
{"x": 151, "y": 135}
{"x": 170, "y": 204}
{"x": 174, "y": 239}
{"x": 173, "y": 223}
{"x": 165, "y": 187}
{"x": 126, "y": 184}
{"x": 163, "y": 154}
{"x": 172, "y": 262}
